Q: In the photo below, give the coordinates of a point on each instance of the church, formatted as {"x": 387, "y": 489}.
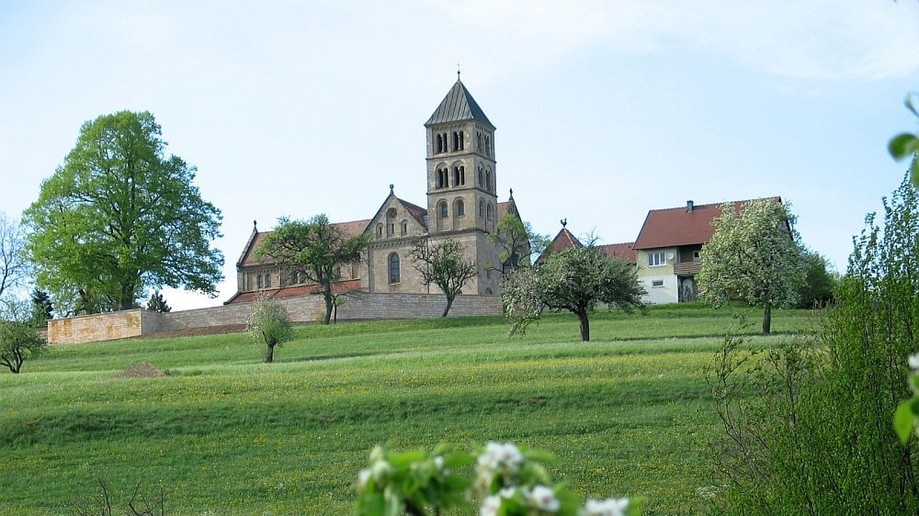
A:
{"x": 462, "y": 204}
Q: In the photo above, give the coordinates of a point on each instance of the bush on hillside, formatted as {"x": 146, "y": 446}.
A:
{"x": 270, "y": 325}
{"x": 809, "y": 424}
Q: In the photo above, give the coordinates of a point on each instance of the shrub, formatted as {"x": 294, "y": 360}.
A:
{"x": 809, "y": 424}
{"x": 269, "y": 324}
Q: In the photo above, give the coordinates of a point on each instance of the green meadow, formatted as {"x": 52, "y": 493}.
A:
{"x": 222, "y": 433}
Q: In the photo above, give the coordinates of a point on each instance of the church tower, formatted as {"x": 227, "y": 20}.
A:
{"x": 460, "y": 166}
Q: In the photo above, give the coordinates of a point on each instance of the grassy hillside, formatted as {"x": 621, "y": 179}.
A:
{"x": 225, "y": 434}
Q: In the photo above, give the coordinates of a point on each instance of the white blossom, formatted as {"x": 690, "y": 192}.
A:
{"x": 501, "y": 458}
{"x": 543, "y": 498}
{"x": 490, "y": 506}
{"x": 608, "y": 507}
{"x": 362, "y": 478}
{"x": 913, "y": 361}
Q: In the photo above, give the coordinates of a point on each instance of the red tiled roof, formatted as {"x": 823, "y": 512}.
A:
{"x": 623, "y": 251}
{"x": 673, "y": 227}
{"x": 563, "y": 240}
{"x": 295, "y": 291}
{"x": 416, "y": 211}
{"x": 348, "y": 229}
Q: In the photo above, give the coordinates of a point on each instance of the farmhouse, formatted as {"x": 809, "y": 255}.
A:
{"x": 462, "y": 204}
{"x": 667, "y": 252}
{"x": 669, "y": 249}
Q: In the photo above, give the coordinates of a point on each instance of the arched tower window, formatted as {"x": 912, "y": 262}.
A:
{"x": 489, "y": 212}
{"x": 459, "y": 209}
{"x": 394, "y": 271}
{"x": 442, "y": 214}
{"x": 488, "y": 180}
{"x": 481, "y": 176}
{"x": 481, "y": 208}
{"x": 441, "y": 177}
{"x": 459, "y": 175}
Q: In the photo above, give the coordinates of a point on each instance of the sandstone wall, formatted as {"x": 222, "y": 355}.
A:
{"x": 363, "y": 306}
{"x": 97, "y": 327}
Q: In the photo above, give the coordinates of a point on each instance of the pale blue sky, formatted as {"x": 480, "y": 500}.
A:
{"x": 604, "y": 110}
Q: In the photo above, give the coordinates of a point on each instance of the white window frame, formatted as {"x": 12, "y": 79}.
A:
{"x": 657, "y": 259}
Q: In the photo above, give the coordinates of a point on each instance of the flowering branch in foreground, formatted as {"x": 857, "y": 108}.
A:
{"x": 507, "y": 482}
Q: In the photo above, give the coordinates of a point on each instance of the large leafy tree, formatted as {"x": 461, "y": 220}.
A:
{"x": 315, "y": 248}
{"x": 753, "y": 255}
{"x": 442, "y": 263}
{"x": 577, "y": 280}
{"x": 119, "y": 216}
{"x": 13, "y": 265}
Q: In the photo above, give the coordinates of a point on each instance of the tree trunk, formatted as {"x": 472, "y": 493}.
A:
{"x": 447, "y": 308}
{"x": 269, "y": 354}
{"x": 767, "y": 320}
{"x": 585, "y": 326}
{"x": 327, "y": 294}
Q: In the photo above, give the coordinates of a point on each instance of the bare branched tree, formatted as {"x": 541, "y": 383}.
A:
{"x": 13, "y": 265}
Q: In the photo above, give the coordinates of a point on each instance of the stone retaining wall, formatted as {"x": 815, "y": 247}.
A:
{"x": 363, "y": 306}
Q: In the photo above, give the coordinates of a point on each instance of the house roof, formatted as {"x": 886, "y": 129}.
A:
{"x": 673, "y": 227}
{"x": 566, "y": 240}
{"x": 457, "y": 106}
{"x": 295, "y": 291}
{"x": 623, "y": 251}
{"x": 563, "y": 240}
{"x": 348, "y": 229}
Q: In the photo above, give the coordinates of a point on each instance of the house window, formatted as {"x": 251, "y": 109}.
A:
{"x": 379, "y": 230}
{"x": 404, "y": 228}
{"x": 258, "y": 281}
{"x": 657, "y": 283}
{"x": 696, "y": 256}
{"x": 656, "y": 259}
{"x": 268, "y": 281}
{"x": 394, "y": 268}
{"x": 459, "y": 209}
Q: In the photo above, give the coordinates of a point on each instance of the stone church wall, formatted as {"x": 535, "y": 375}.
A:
{"x": 363, "y": 306}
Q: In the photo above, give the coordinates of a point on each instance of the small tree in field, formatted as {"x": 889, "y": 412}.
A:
{"x": 576, "y": 280}
{"x": 442, "y": 264}
{"x": 269, "y": 324}
{"x": 753, "y": 255}
{"x": 19, "y": 337}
